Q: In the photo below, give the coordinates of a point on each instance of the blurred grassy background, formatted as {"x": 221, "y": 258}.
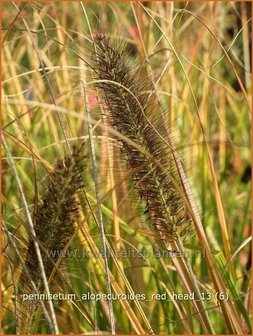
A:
{"x": 190, "y": 68}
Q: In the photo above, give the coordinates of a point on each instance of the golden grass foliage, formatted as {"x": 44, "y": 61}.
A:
{"x": 167, "y": 192}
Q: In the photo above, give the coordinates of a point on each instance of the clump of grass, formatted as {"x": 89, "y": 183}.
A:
{"x": 185, "y": 46}
{"x": 55, "y": 223}
{"x": 130, "y": 102}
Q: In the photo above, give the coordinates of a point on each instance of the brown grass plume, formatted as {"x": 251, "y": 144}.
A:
{"x": 54, "y": 222}
{"x": 131, "y": 104}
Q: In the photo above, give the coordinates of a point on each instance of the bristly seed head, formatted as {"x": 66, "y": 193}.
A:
{"x": 57, "y": 212}
{"x": 128, "y": 98}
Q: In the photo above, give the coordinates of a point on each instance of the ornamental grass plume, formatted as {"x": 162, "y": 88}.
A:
{"x": 131, "y": 107}
{"x": 54, "y": 222}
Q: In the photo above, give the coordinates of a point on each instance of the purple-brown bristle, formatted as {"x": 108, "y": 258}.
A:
{"x": 129, "y": 101}
{"x": 57, "y": 212}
